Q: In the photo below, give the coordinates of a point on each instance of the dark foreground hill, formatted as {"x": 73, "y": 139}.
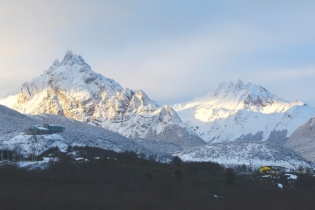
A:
{"x": 125, "y": 181}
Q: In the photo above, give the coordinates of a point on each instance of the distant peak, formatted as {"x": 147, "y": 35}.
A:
{"x": 71, "y": 59}
{"x": 57, "y": 62}
{"x": 299, "y": 102}
{"x": 240, "y": 82}
{"x": 249, "y": 84}
{"x": 239, "y": 85}
{"x": 69, "y": 53}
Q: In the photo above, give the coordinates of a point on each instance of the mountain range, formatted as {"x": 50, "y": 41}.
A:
{"x": 222, "y": 126}
{"x": 253, "y": 154}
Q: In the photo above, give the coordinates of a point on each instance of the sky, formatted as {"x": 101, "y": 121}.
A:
{"x": 174, "y": 50}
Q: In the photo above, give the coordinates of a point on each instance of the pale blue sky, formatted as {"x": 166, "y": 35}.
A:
{"x": 173, "y": 50}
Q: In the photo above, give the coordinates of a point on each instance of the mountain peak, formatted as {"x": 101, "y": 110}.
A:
{"x": 240, "y": 83}
{"x": 72, "y": 89}
{"x": 71, "y": 59}
{"x": 57, "y": 63}
{"x": 238, "y": 96}
{"x": 250, "y": 112}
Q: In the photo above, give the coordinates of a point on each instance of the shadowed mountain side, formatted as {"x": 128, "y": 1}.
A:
{"x": 177, "y": 135}
{"x": 302, "y": 140}
{"x": 12, "y": 122}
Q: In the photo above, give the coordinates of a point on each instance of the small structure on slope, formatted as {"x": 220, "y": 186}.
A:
{"x": 304, "y": 170}
{"x": 272, "y": 169}
{"x": 44, "y": 130}
{"x": 54, "y": 128}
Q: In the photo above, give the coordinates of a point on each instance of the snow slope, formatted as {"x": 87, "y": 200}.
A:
{"x": 243, "y": 112}
{"x": 72, "y": 89}
{"x": 12, "y": 125}
{"x": 302, "y": 140}
{"x": 254, "y": 154}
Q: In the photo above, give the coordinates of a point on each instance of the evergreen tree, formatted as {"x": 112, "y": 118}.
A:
{"x": 229, "y": 176}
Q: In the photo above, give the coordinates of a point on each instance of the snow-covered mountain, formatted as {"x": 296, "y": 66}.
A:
{"x": 302, "y": 140}
{"x": 13, "y": 123}
{"x": 243, "y": 112}
{"x": 72, "y": 89}
{"x": 254, "y": 154}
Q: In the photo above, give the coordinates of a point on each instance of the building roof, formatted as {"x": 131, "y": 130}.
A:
{"x": 41, "y": 128}
{"x": 55, "y": 125}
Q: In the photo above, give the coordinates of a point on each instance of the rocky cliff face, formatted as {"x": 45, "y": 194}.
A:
{"x": 243, "y": 112}
{"x": 72, "y": 89}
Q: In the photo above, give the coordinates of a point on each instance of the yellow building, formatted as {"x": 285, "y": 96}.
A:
{"x": 272, "y": 169}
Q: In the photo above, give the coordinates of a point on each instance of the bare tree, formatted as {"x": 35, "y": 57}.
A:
{"x": 34, "y": 147}
{"x": 1, "y": 145}
{"x": 67, "y": 137}
{"x": 55, "y": 153}
{"x": 18, "y": 150}
{"x": 8, "y": 154}
{"x": 83, "y": 153}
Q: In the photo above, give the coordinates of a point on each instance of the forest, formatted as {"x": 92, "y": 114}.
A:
{"x": 131, "y": 181}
